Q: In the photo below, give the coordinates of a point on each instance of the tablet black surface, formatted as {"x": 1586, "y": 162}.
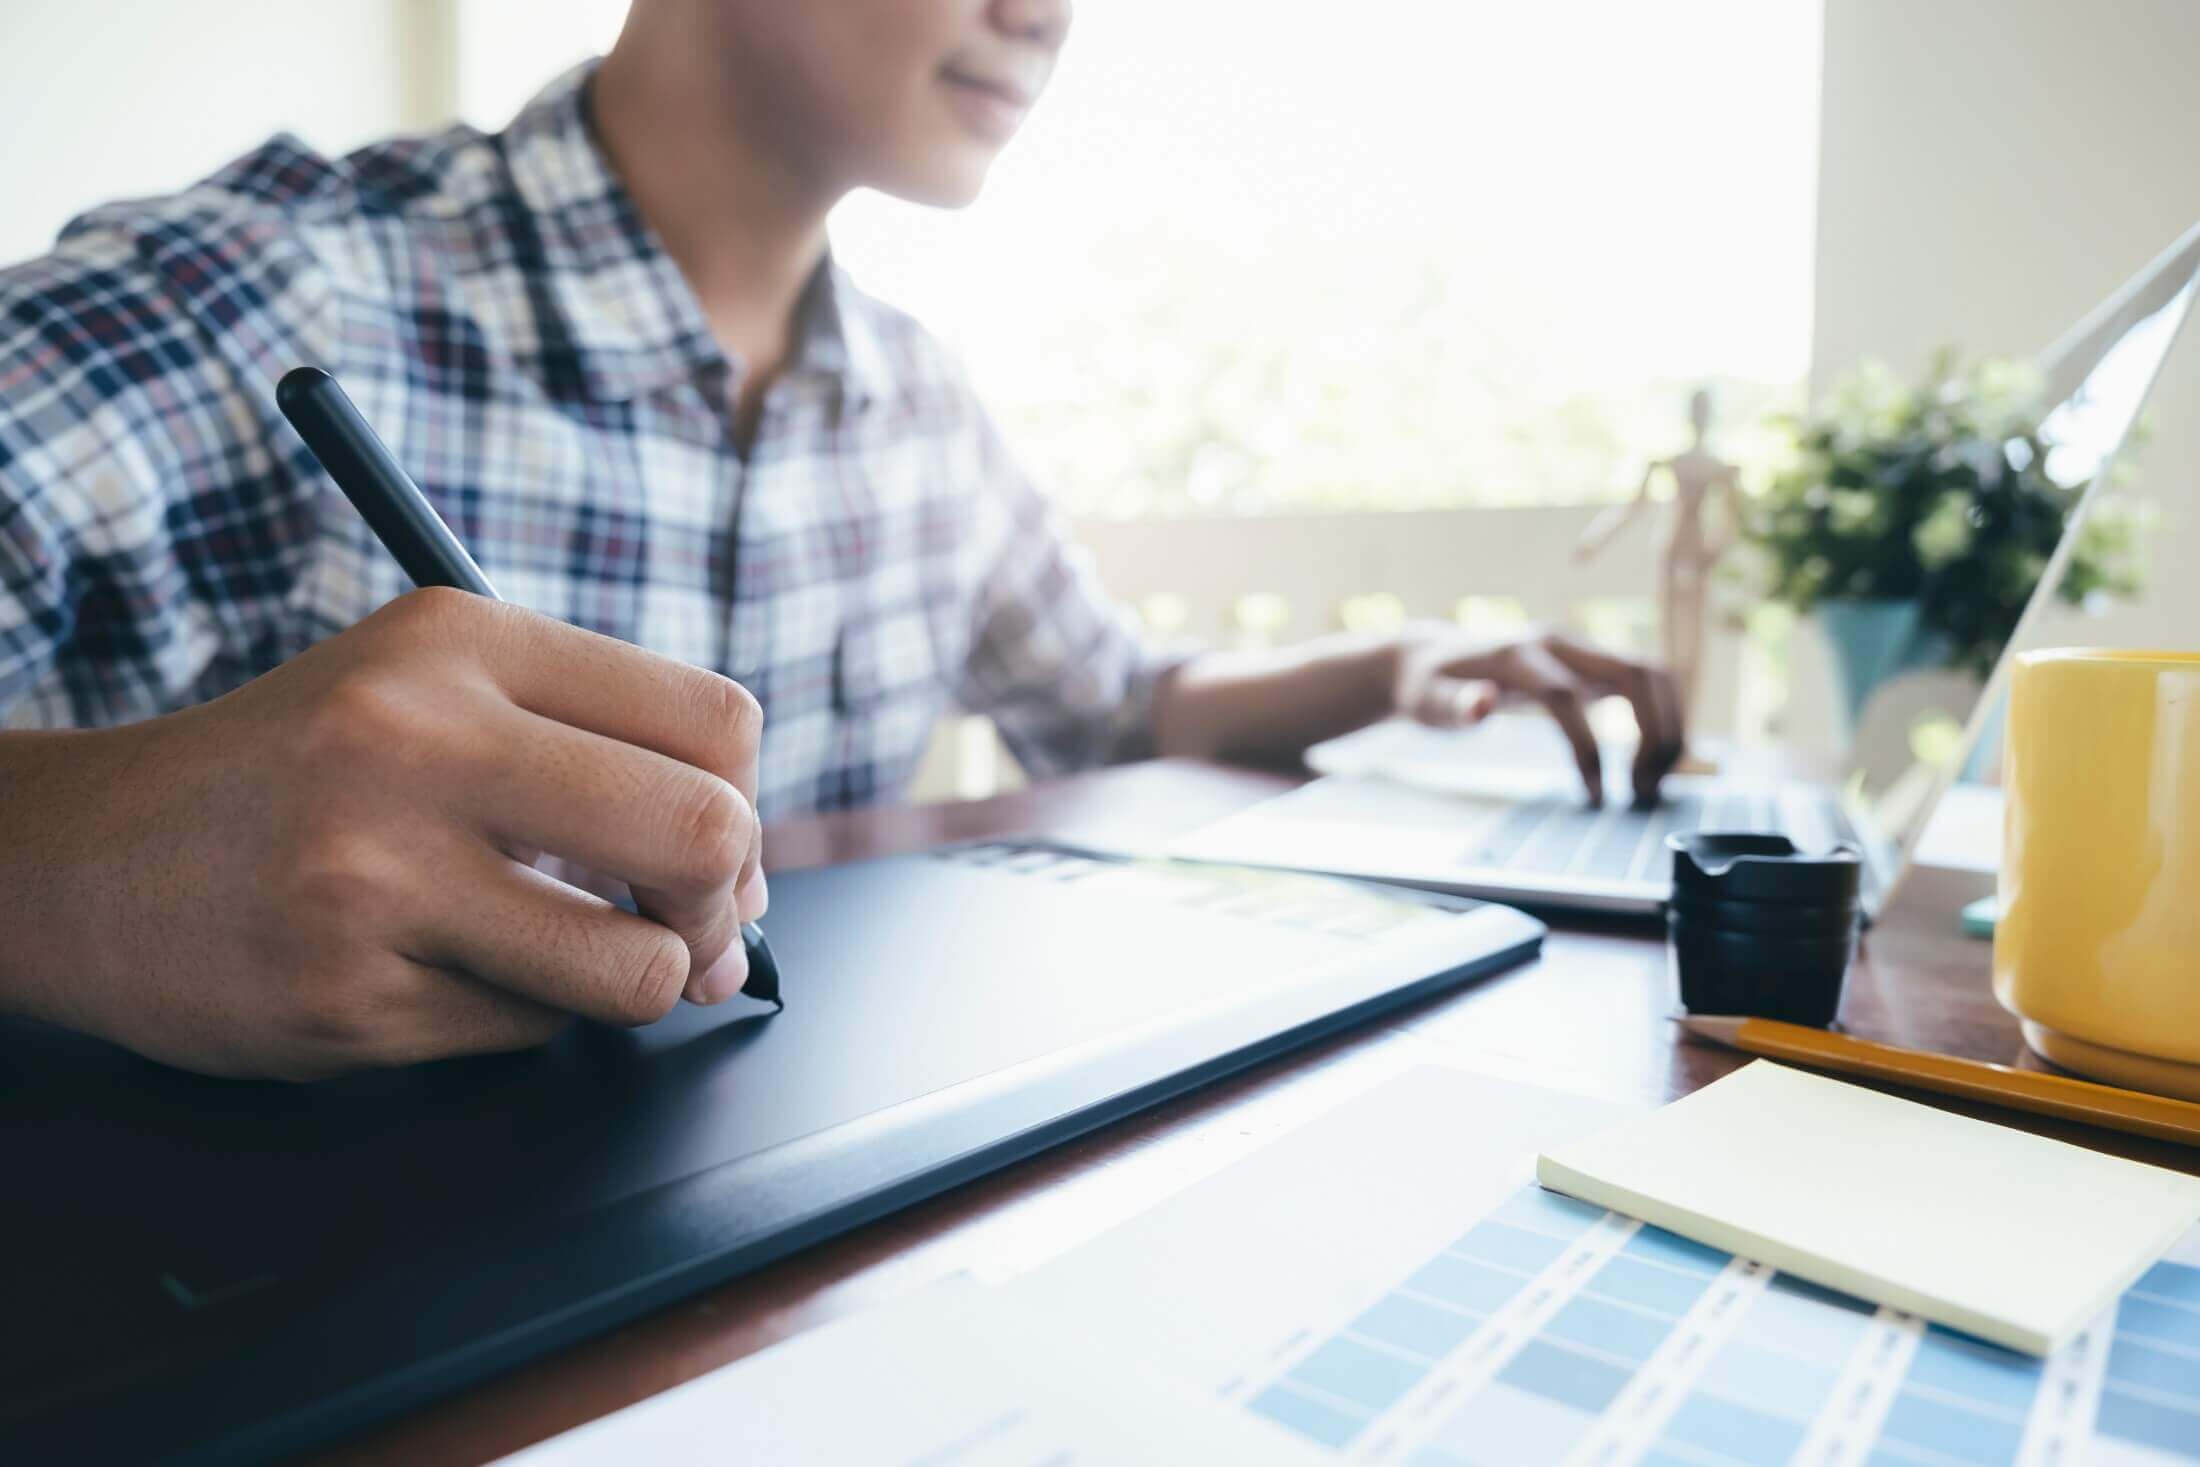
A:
{"x": 202, "y": 1269}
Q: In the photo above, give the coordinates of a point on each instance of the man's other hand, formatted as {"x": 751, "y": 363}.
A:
{"x": 1449, "y": 681}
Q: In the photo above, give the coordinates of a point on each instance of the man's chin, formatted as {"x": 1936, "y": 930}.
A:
{"x": 943, "y": 182}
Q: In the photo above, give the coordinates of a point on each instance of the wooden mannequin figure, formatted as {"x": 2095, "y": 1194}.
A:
{"x": 1690, "y": 549}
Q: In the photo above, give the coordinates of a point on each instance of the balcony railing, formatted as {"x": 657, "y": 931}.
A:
{"x": 1273, "y": 579}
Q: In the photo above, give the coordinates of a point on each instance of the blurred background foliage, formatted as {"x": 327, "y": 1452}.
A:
{"x": 1939, "y": 491}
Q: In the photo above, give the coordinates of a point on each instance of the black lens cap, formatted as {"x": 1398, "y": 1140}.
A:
{"x": 1723, "y": 866}
{"x": 1773, "y": 918}
{"x": 1768, "y": 951}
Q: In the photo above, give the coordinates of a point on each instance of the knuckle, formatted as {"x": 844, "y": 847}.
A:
{"x": 338, "y": 1021}
{"x": 711, "y": 827}
{"x": 440, "y": 609}
{"x": 444, "y": 619}
{"x": 731, "y": 711}
{"x": 364, "y": 1017}
{"x": 656, "y": 974}
{"x": 344, "y": 884}
{"x": 361, "y": 716}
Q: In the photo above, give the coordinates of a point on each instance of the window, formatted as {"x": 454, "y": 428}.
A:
{"x": 1273, "y": 255}
{"x": 1399, "y": 254}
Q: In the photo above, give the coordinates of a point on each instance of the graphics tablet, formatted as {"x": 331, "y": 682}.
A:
{"x": 203, "y": 1269}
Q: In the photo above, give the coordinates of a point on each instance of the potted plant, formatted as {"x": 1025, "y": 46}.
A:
{"x": 1914, "y": 521}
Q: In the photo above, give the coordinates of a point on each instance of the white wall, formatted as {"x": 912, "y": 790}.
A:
{"x": 1990, "y": 170}
{"x": 508, "y": 48}
{"x": 103, "y": 99}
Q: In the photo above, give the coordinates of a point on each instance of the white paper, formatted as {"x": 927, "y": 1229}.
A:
{"x": 1384, "y": 1283}
{"x": 1387, "y": 1282}
{"x": 931, "y": 1381}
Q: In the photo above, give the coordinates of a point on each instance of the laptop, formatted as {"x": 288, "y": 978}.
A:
{"x": 204, "y": 1270}
{"x": 1498, "y": 812}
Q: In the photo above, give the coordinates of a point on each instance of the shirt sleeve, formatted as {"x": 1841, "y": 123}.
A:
{"x": 35, "y": 606}
{"x": 1060, "y": 668}
{"x": 138, "y": 515}
{"x": 89, "y": 591}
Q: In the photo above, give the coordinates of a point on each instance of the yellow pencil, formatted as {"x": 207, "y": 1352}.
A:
{"x": 2052, "y": 1095}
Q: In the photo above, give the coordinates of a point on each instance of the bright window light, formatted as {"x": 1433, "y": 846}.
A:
{"x": 1275, "y": 255}
{"x": 1266, "y": 255}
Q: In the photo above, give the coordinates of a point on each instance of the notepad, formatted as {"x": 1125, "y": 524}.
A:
{"x": 2005, "y": 1235}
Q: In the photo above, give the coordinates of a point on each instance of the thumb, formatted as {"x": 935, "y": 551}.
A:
{"x": 754, "y": 896}
{"x": 1455, "y": 702}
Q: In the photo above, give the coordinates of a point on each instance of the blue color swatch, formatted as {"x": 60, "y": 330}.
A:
{"x": 2149, "y": 1423}
{"x": 1431, "y": 1331}
{"x": 1974, "y": 1370}
{"x": 1753, "y": 1400}
{"x": 1614, "y": 1329}
{"x": 1361, "y": 1375}
{"x": 1734, "y": 1431}
{"x": 1674, "y": 1251}
{"x": 2153, "y": 1368}
{"x": 1308, "y": 1417}
{"x": 1569, "y": 1377}
{"x": 1771, "y": 1379}
{"x": 1505, "y": 1426}
{"x": 1549, "y": 1212}
{"x": 2158, "y": 1320}
{"x": 1496, "y": 1242}
{"x": 1648, "y": 1286}
{"x": 2177, "y": 1282}
{"x": 1951, "y": 1430}
{"x": 1465, "y": 1283}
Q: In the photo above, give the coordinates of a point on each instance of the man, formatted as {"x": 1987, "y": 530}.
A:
{"x": 256, "y": 825}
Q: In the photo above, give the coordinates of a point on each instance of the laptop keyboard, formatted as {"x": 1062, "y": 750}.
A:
{"x": 1560, "y": 836}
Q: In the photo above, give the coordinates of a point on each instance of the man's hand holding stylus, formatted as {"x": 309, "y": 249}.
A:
{"x": 333, "y": 866}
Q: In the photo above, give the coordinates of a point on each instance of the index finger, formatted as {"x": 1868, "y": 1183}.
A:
{"x": 618, "y": 691}
{"x": 1529, "y": 669}
{"x": 1648, "y": 692}
{"x": 1563, "y": 702}
{"x": 613, "y": 688}
{"x": 1655, "y": 758}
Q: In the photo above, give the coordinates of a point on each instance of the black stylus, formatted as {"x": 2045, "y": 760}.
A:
{"x": 403, "y": 520}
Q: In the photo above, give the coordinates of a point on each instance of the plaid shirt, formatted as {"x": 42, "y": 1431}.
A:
{"x": 501, "y": 312}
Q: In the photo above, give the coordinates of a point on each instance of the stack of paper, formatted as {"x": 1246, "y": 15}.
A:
{"x": 2005, "y": 1235}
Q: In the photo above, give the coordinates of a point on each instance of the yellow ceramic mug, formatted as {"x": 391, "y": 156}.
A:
{"x": 2098, "y": 946}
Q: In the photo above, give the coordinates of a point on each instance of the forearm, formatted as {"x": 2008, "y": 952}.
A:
{"x": 1271, "y": 704}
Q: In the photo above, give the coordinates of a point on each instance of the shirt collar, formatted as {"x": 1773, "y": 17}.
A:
{"x": 837, "y": 336}
{"x": 622, "y": 319}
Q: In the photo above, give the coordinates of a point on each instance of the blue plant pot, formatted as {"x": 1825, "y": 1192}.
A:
{"x": 1873, "y": 641}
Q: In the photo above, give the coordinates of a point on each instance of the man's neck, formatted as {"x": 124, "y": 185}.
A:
{"x": 745, "y": 225}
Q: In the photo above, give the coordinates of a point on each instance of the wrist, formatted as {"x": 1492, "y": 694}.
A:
{"x": 1404, "y": 655}
{"x": 57, "y": 787}
{"x": 1363, "y": 672}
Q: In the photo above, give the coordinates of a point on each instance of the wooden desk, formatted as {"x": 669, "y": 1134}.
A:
{"x": 1590, "y": 1015}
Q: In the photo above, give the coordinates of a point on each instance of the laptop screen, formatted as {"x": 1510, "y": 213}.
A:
{"x": 2096, "y": 381}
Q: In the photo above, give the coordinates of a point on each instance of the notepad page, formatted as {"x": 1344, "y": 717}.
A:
{"x": 1999, "y": 1233}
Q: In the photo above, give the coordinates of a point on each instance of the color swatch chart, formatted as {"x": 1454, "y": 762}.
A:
{"x": 1554, "y": 1333}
